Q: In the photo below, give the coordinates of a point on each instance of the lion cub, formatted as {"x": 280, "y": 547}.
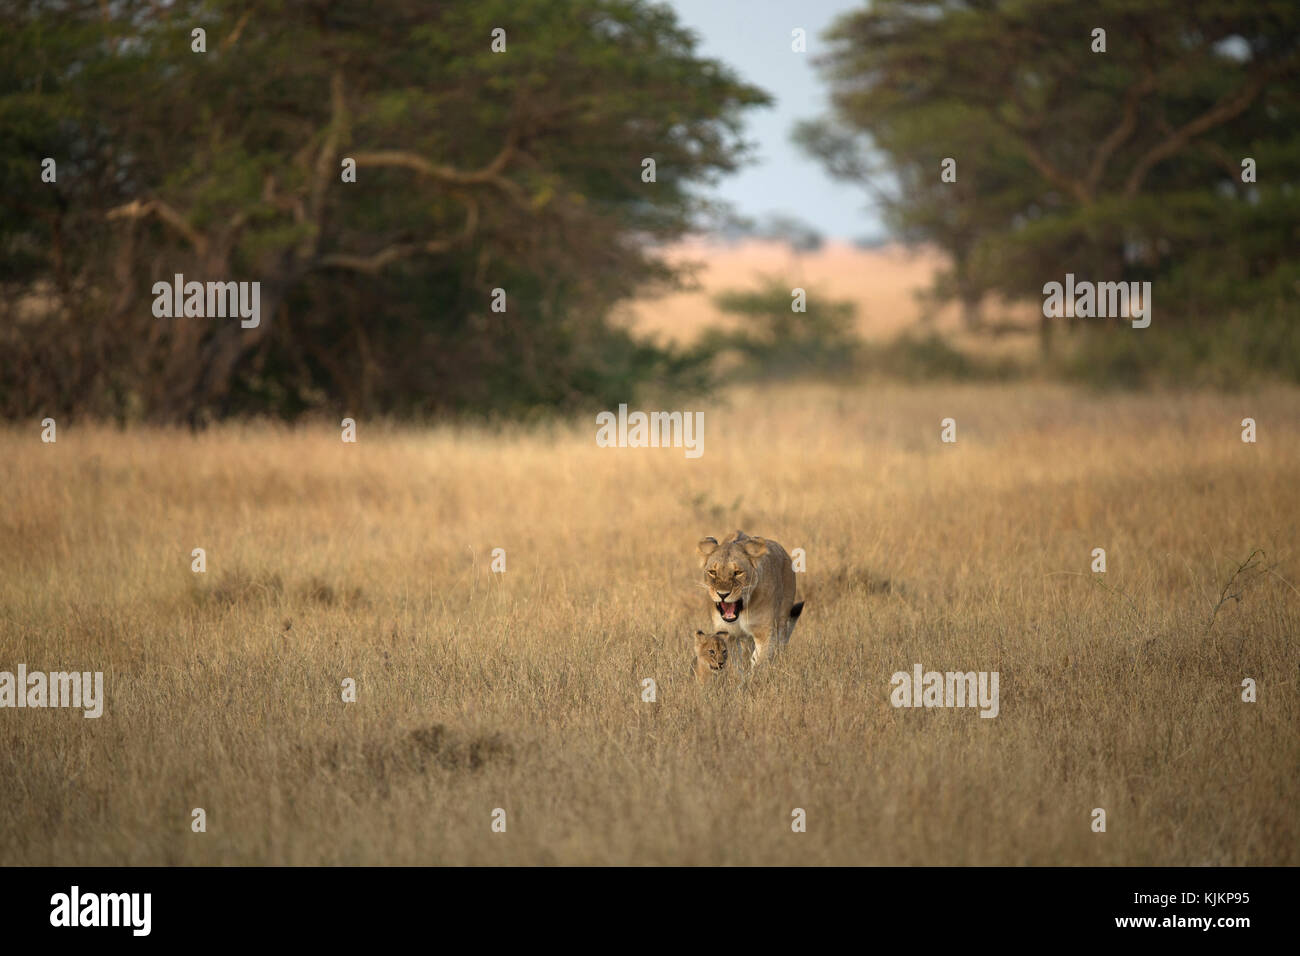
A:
{"x": 710, "y": 654}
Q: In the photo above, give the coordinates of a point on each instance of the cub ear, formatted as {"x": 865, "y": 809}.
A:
{"x": 707, "y": 546}
{"x": 754, "y": 547}
{"x": 700, "y": 638}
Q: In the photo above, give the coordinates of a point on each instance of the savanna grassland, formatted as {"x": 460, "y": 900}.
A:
{"x": 478, "y": 690}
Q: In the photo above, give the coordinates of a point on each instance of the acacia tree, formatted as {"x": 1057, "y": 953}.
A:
{"x": 476, "y": 169}
{"x": 1125, "y": 164}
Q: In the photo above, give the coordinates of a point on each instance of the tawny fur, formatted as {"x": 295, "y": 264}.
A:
{"x": 710, "y": 655}
{"x": 755, "y": 574}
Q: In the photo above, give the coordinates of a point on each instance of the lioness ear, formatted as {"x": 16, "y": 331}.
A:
{"x": 707, "y": 546}
{"x": 754, "y": 548}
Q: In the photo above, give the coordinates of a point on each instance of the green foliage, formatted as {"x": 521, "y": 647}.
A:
{"x": 1117, "y": 166}
{"x": 773, "y": 340}
{"x": 1238, "y": 352}
{"x": 518, "y": 170}
{"x": 926, "y": 358}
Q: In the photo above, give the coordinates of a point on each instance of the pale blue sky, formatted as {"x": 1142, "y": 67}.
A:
{"x": 753, "y": 38}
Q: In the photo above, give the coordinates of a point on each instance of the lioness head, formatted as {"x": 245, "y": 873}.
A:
{"x": 711, "y": 649}
{"x": 730, "y": 571}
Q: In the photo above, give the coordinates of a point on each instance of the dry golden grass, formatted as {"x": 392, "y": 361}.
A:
{"x": 522, "y": 690}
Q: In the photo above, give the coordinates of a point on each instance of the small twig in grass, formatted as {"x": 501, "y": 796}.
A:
{"x": 1228, "y": 594}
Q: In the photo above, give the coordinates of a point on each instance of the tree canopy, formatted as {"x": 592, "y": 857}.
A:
{"x": 1122, "y": 164}
{"x": 476, "y": 169}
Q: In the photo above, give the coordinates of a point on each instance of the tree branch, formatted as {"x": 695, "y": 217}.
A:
{"x": 324, "y": 168}
{"x": 489, "y": 175}
{"x": 1120, "y": 134}
{"x": 233, "y": 38}
{"x": 1046, "y": 168}
{"x": 1226, "y": 109}
{"x": 138, "y": 209}
{"x": 373, "y": 264}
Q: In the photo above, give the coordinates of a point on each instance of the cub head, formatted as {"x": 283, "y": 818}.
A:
{"x": 711, "y": 649}
{"x": 731, "y": 571}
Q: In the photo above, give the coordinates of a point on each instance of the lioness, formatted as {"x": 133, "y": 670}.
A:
{"x": 751, "y": 584}
{"x": 710, "y": 654}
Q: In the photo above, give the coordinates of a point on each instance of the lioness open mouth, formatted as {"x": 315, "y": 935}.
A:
{"x": 730, "y": 610}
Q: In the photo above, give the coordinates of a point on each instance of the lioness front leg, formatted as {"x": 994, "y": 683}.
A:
{"x": 764, "y": 644}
